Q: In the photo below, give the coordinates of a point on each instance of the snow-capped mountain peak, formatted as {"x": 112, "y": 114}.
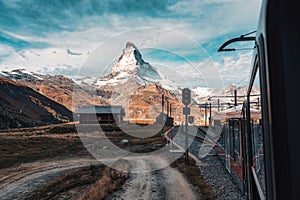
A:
{"x": 131, "y": 64}
{"x": 130, "y": 58}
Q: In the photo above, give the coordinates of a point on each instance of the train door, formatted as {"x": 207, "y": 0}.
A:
{"x": 244, "y": 148}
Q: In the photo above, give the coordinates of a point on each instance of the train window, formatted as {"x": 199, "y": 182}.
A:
{"x": 234, "y": 133}
{"x": 222, "y": 138}
{"x": 256, "y": 134}
{"x": 237, "y": 141}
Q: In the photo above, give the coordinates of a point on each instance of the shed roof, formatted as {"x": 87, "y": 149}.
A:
{"x": 100, "y": 110}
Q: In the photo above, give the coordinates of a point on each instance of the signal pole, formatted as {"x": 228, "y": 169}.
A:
{"x": 186, "y": 100}
{"x": 205, "y": 114}
{"x": 167, "y": 108}
{"x": 162, "y": 112}
{"x": 235, "y": 98}
{"x": 186, "y": 140}
{"x": 210, "y": 119}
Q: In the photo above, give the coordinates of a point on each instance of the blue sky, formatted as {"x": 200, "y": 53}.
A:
{"x": 86, "y": 37}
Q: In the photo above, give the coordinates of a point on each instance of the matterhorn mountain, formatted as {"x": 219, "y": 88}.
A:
{"x": 137, "y": 86}
{"x": 131, "y": 66}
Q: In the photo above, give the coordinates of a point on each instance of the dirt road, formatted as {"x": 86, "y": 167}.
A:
{"x": 166, "y": 183}
{"x": 16, "y": 182}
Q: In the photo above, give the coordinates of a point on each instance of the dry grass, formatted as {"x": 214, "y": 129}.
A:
{"x": 71, "y": 179}
{"x": 93, "y": 182}
{"x": 31, "y": 144}
{"x": 110, "y": 181}
{"x": 141, "y": 144}
{"x": 24, "y": 145}
{"x": 193, "y": 174}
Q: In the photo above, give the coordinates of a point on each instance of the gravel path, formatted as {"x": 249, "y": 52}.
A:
{"x": 216, "y": 175}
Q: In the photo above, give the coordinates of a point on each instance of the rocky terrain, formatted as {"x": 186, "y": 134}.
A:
{"x": 21, "y": 106}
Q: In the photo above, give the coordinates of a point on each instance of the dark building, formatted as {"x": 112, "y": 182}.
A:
{"x": 106, "y": 115}
{"x": 164, "y": 119}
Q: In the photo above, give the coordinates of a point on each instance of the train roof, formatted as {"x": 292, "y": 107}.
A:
{"x": 236, "y": 112}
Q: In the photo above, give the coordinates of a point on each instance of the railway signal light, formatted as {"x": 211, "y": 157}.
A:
{"x": 186, "y": 110}
{"x": 191, "y": 119}
{"x": 186, "y": 96}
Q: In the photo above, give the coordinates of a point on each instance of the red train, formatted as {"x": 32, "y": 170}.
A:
{"x": 263, "y": 152}
{"x": 231, "y": 144}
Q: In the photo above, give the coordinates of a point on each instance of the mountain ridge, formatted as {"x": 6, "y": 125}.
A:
{"x": 21, "y": 106}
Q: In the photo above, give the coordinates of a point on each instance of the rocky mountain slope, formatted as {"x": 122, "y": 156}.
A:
{"x": 21, "y": 106}
{"x": 58, "y": 88}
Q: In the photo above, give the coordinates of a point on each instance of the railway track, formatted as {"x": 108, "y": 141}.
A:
{"x": 197, "y": 138}
{"x": 200, "y": 135}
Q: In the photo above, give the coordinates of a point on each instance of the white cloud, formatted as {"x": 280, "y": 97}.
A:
{"x": 218, "y": 17}
{"x": 211, "y": 73}
{"x": 38, "y": 60}
{"x": 5, "y": 50}
{"x": 236, "y": 70}
{"x": 196, "y": 22}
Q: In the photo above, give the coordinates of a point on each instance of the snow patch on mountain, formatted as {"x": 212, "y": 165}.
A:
{"x": 202, "y": 91}
{"x": 4, "y": 75}
{"x": 119, "y": 78}
{"x": 84, "y": 80}
{"x": 21, "y": 74}
{"x": 24, "y": 71}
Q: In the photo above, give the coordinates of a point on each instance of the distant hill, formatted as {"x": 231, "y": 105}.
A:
{"x": 21, "y": 106}
{"x": 57, "y": 87}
